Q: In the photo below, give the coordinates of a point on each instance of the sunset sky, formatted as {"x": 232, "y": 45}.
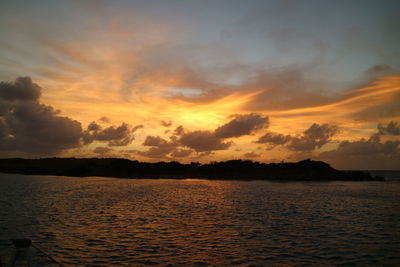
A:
{"x": 202, "y": 80}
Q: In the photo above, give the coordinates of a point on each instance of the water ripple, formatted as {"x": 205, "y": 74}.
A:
{"x": 117, "y": 222}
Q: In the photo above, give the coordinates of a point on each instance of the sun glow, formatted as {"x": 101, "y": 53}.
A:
{"x": 122, "y": 77}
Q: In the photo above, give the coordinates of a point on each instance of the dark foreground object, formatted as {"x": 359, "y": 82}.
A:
{"x": 22, "y": 243}
{"x": 232, "y": 169}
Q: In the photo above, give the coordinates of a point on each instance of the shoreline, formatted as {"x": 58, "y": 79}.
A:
{"x": 246, "y": 170}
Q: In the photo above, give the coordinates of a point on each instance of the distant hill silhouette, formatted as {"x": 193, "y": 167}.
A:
{"x": 306, "y": 170}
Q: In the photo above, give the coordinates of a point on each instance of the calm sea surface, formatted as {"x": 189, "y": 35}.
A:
{"x": 132, "y": 222}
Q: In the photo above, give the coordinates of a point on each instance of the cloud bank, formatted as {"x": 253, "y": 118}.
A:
{"x": 30, "y": 128}
{"x": 240, "y": 125}
{"x": 114, "y": 135}
{"x": 372, "y": 153}
{"x": 26, "y": 125}
{"x": 314, "y": 137}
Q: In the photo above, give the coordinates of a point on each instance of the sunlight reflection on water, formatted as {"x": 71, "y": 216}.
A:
{"x": 121, "y": 222}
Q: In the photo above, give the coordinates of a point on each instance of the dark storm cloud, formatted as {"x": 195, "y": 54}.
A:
{"x": 274, "y": 139}
{"x": 312, "y": 138}
{"x": 392, "y": 128}
{"x": 242, "y": 125}
{"x": 179, "y": 130}
{"x": 365, "y": 154}
{"x": 22, "y": 89}
{"x": 115, "y": 135}
{"x": 159, "y": 147}
{"x": 368, "y": 147}
{"x": 93, "y": 126}
{"x": 155, "y": 152}
{"x": 203, "y": 141}
{"x": 28, "y": 126}
{"x": 154, "y": 141}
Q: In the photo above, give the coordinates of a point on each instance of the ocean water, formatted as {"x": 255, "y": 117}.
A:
{"x": 388, "y": 175}
{"x": 132, "y": 222}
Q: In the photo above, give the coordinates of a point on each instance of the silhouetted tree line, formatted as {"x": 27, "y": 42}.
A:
{"x": 231, "y": 169}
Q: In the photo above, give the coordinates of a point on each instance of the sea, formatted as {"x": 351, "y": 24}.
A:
{"x": 97, "y": 221}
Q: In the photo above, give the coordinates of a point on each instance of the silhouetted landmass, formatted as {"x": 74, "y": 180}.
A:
{"x": 232, "y": 169}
